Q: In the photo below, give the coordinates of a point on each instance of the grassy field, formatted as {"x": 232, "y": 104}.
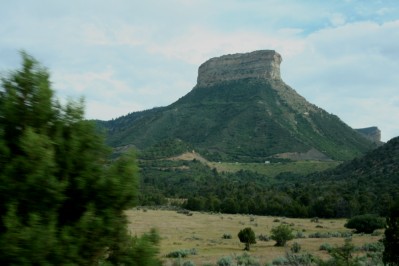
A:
{"x": 203, "y": 232}
{"x": 268, "y": 169}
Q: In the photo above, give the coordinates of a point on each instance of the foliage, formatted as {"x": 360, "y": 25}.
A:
{"x": 330, "y": 234}
{"x": 262, "y": 237}
{"x": 305, "y": 259}
{"x": 391, "y": 239}
{"x": 139, "y": 251}
{"x": 296, "y": 247}
{"x": 326, "y": 247}
{"x": 188, "y": 263}
{"x": 225, "y": 261}
{"x": 227, "y": 236}
{"x": 281, "y": 234}
{"x": 182, "y": 253}
{"x": 366, "y": 223}
{"x": 241, "y": 260}
{"x": 247, "y": 236}
{"x": 61, "y": 201}
{"x": 343, "y": 255}
{"x": 373, "y": 247}
{"x": 247, "y": 260}
{"x": 280, "y": 261}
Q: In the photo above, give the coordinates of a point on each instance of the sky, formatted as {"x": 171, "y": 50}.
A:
{"x": 124, "y": 56}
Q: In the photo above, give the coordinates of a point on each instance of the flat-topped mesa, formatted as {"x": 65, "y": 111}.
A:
{"x": 258, "y": 64}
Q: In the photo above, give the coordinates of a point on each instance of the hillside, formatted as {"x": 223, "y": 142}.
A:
{"x": 377, "y": 166}
{"x": 241, "y": 110}
{"x": 367, "y": 184}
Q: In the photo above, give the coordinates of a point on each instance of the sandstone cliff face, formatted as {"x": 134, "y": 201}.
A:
{"x": 259, "y": 64}
{"x": 371, "y": 133}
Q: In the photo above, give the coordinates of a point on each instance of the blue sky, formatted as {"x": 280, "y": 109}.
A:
{"x": 127, "y": 55}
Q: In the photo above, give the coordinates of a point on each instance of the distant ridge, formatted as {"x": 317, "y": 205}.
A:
{"x": 241, "y": 110}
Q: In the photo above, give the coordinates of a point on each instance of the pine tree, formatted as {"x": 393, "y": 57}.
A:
{"x": 61, "y": 201}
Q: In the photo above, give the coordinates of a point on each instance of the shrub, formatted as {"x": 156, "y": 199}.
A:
{"x": 300, "y": 234}
{"x": 314, "y": 220}
{"x": 343, "y": 255}
{"x": 366, "y": 223}
{"x": 280, "y": 261}
{"x": 305, "y": 259}
{"x": 225, "y": 261}
{"x": 296, "y": 247}
{"x": 188, "y": 263}
{"x": 373, "y": 247}
{"x": 330, "y": 234}
{"x": 247, "y": 236}
{"x": 182, "y": 253}
{"x": 247, "y": 260}
{"x": 326, "y": 247}
{"x": 281, "y": 234}
{"x": 263, "y": 237}
{"x": 227, "y": 236}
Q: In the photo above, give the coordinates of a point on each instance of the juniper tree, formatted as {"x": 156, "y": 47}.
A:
{"x": 61, "y": 201}
{"x": 247, "y": 236}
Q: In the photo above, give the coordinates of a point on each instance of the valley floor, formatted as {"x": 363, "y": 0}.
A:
{"x": 204, "y": 233}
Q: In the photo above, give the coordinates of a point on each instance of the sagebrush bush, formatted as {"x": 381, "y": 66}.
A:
{"x": 181, "y": 253}
{"x": 225, "y": 261}
{"x": 280, "y": 261}
{"x": 300, "y": 234}
{"x": 373, "y": 247}
{"x": 296, "y": 247}
{"x": 305, "y": 259}
{"x": 330, "y": 234}
{"x": 188, "y": 263}
{"x": 247, "y": 260}
{"x": 325, "y": 246}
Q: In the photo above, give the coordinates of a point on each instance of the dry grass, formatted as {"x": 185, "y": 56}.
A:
{"x": 204, "y": 232}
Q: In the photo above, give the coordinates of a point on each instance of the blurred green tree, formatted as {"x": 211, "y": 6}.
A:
{"x": 61, "y": 201}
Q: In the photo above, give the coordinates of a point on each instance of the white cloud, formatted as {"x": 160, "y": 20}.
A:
{"x": 337, "y": 19}
{"x": 130, "y": 55}
{"x": 199, "y": 44}
{"x": 351, "y": 71}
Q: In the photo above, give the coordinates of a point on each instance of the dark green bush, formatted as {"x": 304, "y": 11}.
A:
{"x": 247, "y": 236}
{"x": 366, "y": 223}
{"x": 227, "y": 236}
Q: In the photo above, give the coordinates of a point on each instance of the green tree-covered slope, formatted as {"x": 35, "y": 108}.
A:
{"x": 242, "y": 120}
{"x": 367, "y": 184}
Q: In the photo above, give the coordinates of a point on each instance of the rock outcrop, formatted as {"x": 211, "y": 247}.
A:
{"x": 258, "y": 64}
{"x": 371, "y": 133}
